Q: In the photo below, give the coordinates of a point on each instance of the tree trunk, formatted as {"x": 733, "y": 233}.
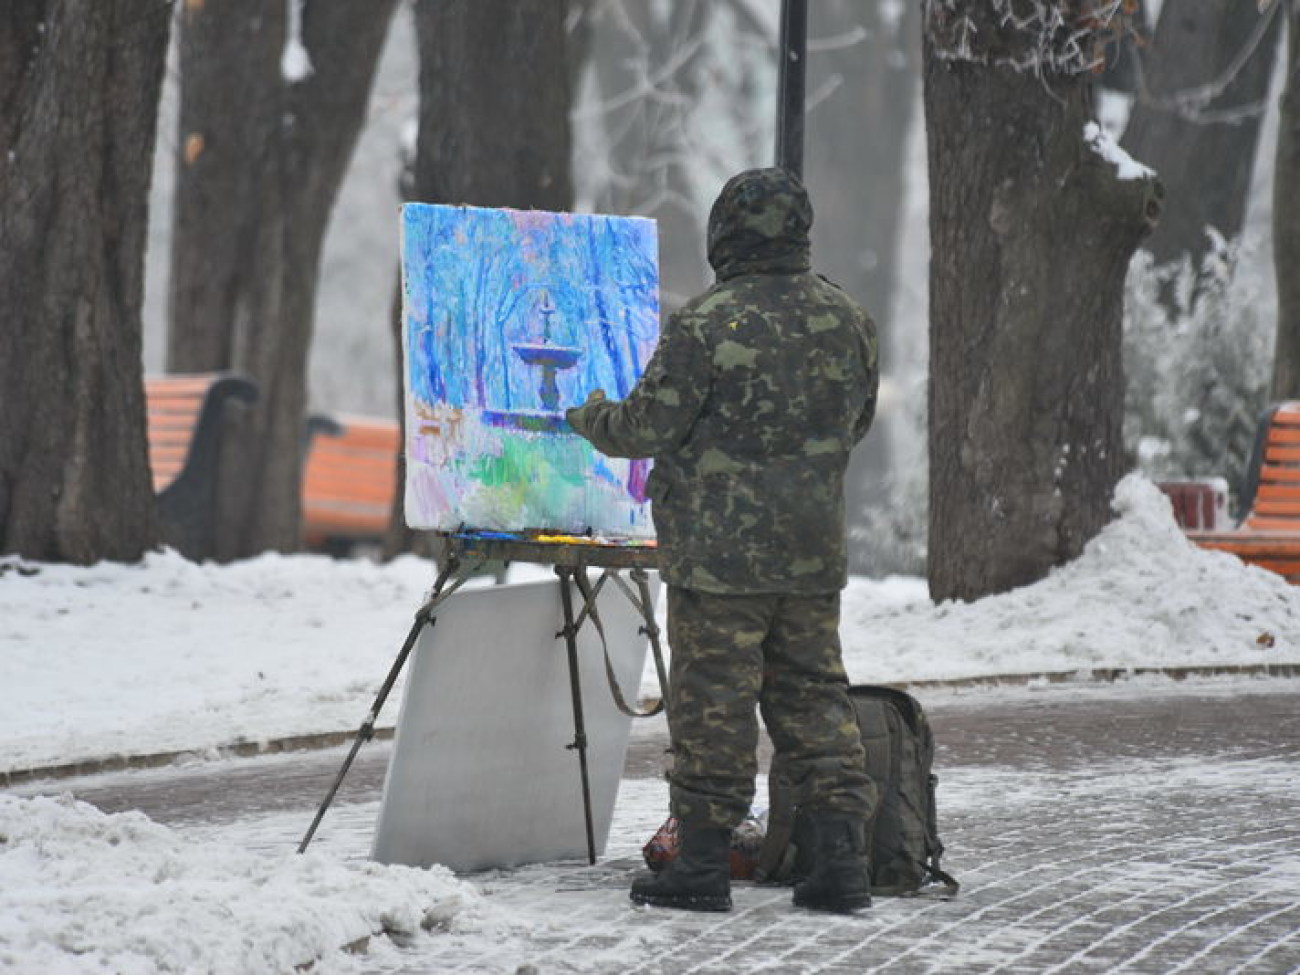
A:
{"x": 1031, "y": 236}
{"x": 261, "y": 156}
{"x": 494, "y": 124}
{"x": 494, "y": 104}
{"x": 1200, "y": 139}
{"x": 79, "y": 85}
{"x": 863, "y": 86}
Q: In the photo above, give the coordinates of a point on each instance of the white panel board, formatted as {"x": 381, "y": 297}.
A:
{"x": 482, "y": 774}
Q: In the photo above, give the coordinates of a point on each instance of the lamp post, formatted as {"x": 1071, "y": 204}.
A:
{"x": 792, "y": 61}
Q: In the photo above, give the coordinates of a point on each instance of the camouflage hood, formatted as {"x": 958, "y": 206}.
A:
{"x": 759, "y": 225}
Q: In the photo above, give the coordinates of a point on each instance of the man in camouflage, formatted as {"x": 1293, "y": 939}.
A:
{"x": 757, "y": 392}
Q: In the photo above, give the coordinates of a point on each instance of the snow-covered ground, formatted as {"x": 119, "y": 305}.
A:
{"x": 167, "y": 656}
{"x": 170, "y": 656}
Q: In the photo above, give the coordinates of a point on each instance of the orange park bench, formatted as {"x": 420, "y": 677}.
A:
{"x": 1268, "y": 534}
{"x": 349, "y": 482}
{"x": 187, "y": 418}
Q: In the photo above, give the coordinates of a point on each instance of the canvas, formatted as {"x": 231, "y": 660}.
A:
{"x": 509, "y": 318}
{"x": 483, "y": 773}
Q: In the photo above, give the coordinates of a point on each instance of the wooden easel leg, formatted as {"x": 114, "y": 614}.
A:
{"x": 570, "y": 634}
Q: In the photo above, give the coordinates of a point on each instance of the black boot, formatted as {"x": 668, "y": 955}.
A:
{"x": 840, "y": 879}
{"x": 697, "y": 879}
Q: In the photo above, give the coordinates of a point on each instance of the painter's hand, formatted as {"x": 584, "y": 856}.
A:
{"x": 575, "y": 415}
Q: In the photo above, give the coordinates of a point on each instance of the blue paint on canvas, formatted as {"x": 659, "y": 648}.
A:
{"x": 509, "y": 318}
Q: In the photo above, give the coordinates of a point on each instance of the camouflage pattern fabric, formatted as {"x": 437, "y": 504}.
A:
{"x": 755, "y": 395}
{"x": 730, "y": 652}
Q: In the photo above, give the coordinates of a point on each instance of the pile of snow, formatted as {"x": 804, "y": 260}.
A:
{"x": 81, "y": 891}
{"x": 168, "y": 656}
{"x": 1140, "y": 596}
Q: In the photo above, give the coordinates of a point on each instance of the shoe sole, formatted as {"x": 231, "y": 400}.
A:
{"x": 715, "y": 904}
{"x": 843, "y": 905}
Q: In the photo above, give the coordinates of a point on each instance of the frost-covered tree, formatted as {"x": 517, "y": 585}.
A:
{"x": 1202, "y": 90}
{"x": 273, "y": 95}
{"x": 1034, "y": 217}
{"x": 1197, "y": 372}
{"x": 79, "y": 84}
{"x": 1286, "y": 218}
{"x": 864, "y": 96}
{"x": 650, "y": 63}
{"x": 677, "y": 97}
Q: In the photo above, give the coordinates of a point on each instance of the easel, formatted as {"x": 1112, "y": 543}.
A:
{"x": 463, "y": 556}
{"x": 466, "y": 553}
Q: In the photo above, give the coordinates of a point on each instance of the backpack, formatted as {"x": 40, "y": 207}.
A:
{"x": 902, "y": 836}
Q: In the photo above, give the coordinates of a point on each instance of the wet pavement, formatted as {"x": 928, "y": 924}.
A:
{"x": 1146, "y": 826}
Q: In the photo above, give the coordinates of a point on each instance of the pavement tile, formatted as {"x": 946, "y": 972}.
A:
{"x": 1142, "y": 834}
{"x": 1145, "y": 827}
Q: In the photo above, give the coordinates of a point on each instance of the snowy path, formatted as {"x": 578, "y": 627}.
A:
{"x": 1142, "y": 827}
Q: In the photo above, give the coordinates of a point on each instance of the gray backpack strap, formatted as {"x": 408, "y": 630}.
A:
{"x": 777, "y": 855}
{"x": 589, "y": 599}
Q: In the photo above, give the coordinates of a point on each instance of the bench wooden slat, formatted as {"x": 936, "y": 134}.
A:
{"x": 1271, "y": 526}
{"x": 1274, "y": 517}
{"x": 350, "y": 482}
{"x": 1249, "y": 542}
{"x": 168, "y": 439}
{"x": 347, "y": 509}
{"x": 371, "y": 487}
{"x": 174, "y": 407}
{"x": 167, "y": 397}
{"x": 1285, "y": 512}
{"x": 372, "y": 497}
{"x": 1277, "y": 504}
{"x": 329, "y": 525}
{"x": 353, "y": 467}
{"x": 1269, "y": 532}
{"x": 1281, "y": 474}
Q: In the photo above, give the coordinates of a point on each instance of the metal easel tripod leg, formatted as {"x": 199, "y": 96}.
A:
{"x": 423, "y": 617}
{"x": 642, "y": 600}
{"x": 570, "y": 634}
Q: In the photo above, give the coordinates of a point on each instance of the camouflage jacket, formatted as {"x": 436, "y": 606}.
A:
{"x": 755, "y": 395}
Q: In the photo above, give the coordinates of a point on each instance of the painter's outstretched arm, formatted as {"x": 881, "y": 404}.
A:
{"x": 661, "y": 408}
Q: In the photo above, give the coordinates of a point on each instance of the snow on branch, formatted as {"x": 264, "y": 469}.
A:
{"x": 1066, "y": 37}
{"x": 1193, "y": 103}
{"x": 295, "y": 63}
{"x": 1126, "y": 167}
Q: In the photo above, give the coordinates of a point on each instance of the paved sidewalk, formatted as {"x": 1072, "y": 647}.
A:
{"x": 1143, "y": 827}
{"x": 1092, "y": 832}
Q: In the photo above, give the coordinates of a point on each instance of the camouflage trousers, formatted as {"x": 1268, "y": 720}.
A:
{"x": 780, "y": 655}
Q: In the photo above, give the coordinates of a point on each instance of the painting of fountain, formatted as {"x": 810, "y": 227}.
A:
{"x": 550, "y": 358}
{"x": 509, "y": 317}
